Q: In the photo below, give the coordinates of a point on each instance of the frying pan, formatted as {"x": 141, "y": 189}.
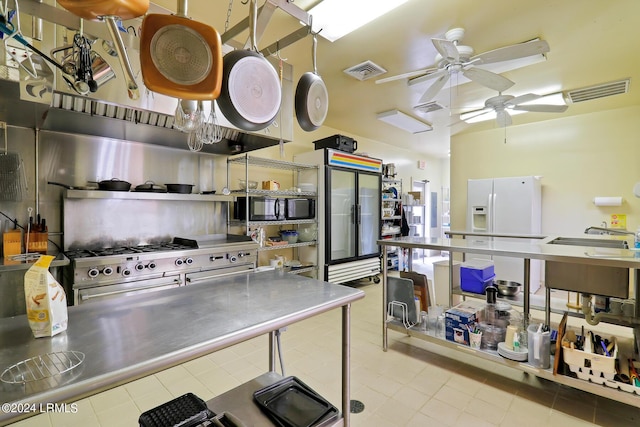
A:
{"x": 70, "y": 187}
{"x": 180, "y": 57}
{"x": 251, "y": 94}
{"x": 179, "y": 188}
{"x": 312, "y": 98}
{"x": 109, "y": 11}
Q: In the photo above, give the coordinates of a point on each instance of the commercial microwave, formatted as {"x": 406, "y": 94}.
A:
{"x": 300, "y": 208}
{"x": 260, "y": 209}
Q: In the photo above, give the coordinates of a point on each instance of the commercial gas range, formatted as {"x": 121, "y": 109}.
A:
{"x": 120, "y": 271}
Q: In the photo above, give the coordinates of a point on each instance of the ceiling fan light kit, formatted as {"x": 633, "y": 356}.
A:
{"x": 404, "y": 121}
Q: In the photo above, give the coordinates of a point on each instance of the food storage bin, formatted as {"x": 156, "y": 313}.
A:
{"x": 476, "y": 275}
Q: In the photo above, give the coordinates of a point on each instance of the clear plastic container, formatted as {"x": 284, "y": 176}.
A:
{"x": 539, "y": 347}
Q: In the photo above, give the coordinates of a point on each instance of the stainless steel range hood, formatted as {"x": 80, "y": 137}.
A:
{"x": 109, "y": 112}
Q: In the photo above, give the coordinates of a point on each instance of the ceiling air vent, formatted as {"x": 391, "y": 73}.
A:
{"x": 428, "y": 107}
{"x": 365, "y": 70}
{"x": 598, "y": 91}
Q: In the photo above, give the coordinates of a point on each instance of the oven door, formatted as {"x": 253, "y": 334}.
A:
{"x": 203, "y": 276}
{"x": 101, "y": 293}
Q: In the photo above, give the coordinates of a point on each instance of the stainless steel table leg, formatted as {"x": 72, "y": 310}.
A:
{"x": 384, "y": 298}
{"x": 527, "y": 287}
{"x": 272, "y": 351}
{"x": 346, "y": 363}
{"x": 450, "y": 280}
{"x": 547, "y": 306}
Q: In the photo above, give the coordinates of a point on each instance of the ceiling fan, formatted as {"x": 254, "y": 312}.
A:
{"x": 455, "y": 58}
{"x": 501, "y": 105}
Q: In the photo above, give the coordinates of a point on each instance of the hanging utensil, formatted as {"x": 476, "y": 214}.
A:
{"x": 82, "y": 57}
{"x": 312, "y": 98}
{"x": 16, "y": 33}
{"x": 12, "y": 173}
{"x": 209, "y": 132}
{"x": 188, "y": 115}
{"x": 251, "y": 95}
{"x": 111, "y": 11}
{"x": 180, "y": 57}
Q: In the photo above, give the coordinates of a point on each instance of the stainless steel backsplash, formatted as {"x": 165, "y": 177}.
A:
{"x": 77, "y": 159}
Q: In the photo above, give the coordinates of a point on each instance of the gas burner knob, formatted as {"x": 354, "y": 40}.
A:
{"x": 179, "y": 262}
{"x": 139, "y": 267}
{"x": 151, "y": 265}
{"x": 126, "y": 272}
{"x": 233, "y": 258}
{"x": 107, "y": 271}
{"x": 93, "y": 272}
{"x": 189, "y": 261}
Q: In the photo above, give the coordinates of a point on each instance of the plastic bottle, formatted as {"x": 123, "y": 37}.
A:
{"x": 637, "y": 239}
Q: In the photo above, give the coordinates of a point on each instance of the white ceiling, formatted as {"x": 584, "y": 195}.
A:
{"x": 591, "y": 41}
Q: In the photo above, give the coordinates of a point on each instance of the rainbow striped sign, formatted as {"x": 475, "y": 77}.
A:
{"x": 346, "y": 160}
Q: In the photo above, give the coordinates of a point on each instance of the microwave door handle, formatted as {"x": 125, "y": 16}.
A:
{"x": 276, "y": 208}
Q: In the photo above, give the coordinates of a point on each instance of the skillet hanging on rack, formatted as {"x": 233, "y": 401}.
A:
{"x": 251, "y": 93}
{"x": 312, "y": 98}
{"x": 180, "y": 57}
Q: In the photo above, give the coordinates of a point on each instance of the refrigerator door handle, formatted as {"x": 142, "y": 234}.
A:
{"x": 492, "y": 211}
{"x": 353, "y": 214}
{"x": 490, "y": 207}
{"x": 359, "y": 218}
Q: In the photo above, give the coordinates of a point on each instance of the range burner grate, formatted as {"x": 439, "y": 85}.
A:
{"x": 125, "y": 250}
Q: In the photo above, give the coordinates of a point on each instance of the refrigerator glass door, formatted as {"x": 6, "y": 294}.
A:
{"x": 342, "y": 207}
{"x": 368, "y": 213}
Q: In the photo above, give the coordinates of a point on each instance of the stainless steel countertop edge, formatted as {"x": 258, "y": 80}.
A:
{"x": 625, "y": 258}
{"x": 95, "y": 384}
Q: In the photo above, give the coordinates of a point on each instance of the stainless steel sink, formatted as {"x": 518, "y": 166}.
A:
{"x": 586, "y": 241}
{"x": 586, "y": 278}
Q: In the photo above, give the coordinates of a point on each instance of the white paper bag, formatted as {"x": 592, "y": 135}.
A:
{"x": 46, "y": 300}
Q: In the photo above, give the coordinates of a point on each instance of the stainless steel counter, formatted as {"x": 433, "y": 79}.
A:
{"x": 133, "y": 337}
{"x": 7, "y": 265}
{"x": 534, "y": 249}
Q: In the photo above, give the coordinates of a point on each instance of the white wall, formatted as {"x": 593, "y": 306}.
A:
{"x": 579, "y": 157}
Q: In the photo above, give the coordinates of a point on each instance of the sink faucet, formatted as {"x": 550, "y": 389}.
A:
{"x": 604, "y": 230}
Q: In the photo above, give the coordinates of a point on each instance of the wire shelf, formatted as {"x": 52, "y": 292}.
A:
{"x": 42, "y": 367}
{"x": 270, "y": 163}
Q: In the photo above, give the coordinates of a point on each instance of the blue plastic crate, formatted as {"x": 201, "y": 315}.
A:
{"x": 476, "y": 275}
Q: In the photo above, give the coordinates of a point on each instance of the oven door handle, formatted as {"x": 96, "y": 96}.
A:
{"x": 215, "y": 274}
{"x": 87, "y": 297}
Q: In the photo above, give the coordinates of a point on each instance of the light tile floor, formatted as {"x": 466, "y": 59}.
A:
{"x": 405, "y": 386}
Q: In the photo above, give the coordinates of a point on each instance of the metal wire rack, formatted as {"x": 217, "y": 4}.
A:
{"x": 42, "y": 367}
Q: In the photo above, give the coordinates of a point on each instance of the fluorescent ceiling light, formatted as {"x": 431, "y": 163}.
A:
{"x": 337, "y": 18}
{"x": 403, "y": 121}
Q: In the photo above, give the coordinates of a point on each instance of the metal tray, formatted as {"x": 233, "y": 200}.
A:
{"x": 292, "y": 403}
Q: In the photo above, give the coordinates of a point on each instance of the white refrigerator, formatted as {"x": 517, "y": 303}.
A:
{"x": 510, "y": 205}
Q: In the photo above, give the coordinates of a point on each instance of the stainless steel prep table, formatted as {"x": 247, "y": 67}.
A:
{"x": 132, "y": 337}
{"x": 538, "y": 249}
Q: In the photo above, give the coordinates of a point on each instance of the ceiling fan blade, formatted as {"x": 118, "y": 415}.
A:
{"x": 522, "y": 99}
{"x": 487, "y": 78}
{"x": 542, "y": 108}
{"x": 520, "y": 50}
{"x": 436, "y": 73}
{"x": 476, "y": 113}
{"x": 408, "y": 75}
{"x": 503, "y": 118}
{"x": 434, "y": 88}
{"x": 447, "y": 49}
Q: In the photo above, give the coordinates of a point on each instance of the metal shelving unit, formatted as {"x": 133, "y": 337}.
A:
{"x": 391, "y": 223}
{"x": 250, "y": 162}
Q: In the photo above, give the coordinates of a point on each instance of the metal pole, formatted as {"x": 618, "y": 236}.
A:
{"x": 346, "y": 363}
{"x": 527, "y": 287}
{"x": 272, "y": 351}
{"x": 384, "y": 298}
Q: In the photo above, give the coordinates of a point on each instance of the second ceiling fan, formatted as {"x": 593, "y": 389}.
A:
{"x": 501, "y": 105}
{"x": 454, "y": 58}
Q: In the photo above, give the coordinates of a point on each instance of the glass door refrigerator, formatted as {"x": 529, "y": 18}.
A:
{"x": 349, "y": 197}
